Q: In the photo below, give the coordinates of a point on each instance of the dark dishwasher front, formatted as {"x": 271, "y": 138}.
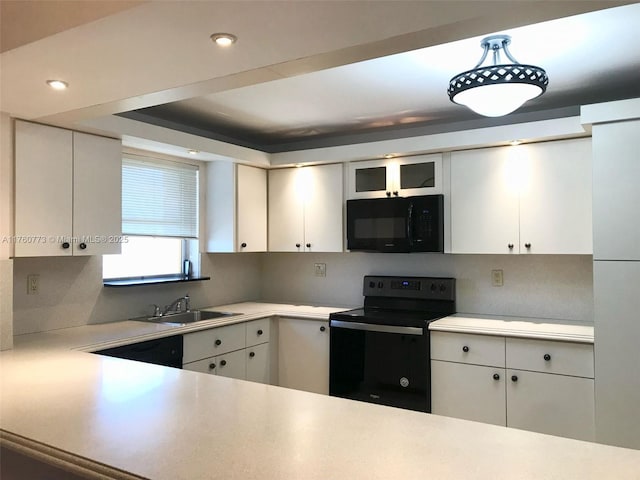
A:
{"x": 165, "y": 351}
{"x": 388, "y": 365}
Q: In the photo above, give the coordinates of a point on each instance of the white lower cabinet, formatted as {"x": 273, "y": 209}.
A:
{"x": 303, "y": 354}
{"x": 550, "y": 390}
{"x": 231, "y": 351}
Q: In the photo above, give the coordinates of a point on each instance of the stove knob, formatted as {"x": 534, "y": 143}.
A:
{"x": 433, "y": 287}
{"x": 380, "y": 285}
{"x": 372, "y": 284}
{"x": 442, "y": 287}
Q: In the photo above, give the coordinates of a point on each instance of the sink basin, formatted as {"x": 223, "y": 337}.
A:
{"x": 187, "y": 317}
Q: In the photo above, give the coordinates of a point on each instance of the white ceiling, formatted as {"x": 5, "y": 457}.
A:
{"x": 306, "y": 70}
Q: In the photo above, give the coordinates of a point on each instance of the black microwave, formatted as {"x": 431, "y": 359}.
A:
{"x": 397, "y": 224}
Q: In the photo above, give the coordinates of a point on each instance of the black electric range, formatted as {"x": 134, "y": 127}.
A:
{"x": 380, "y": 353}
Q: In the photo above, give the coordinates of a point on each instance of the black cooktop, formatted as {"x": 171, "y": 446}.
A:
{"x": 380, "y": 316}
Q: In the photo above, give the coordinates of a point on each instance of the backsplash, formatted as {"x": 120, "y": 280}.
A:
{"x": 71, "y": 292}
{"x": 545, "y": 286}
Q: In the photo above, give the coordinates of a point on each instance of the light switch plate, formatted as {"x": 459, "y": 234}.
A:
{"x": 320, "y": 269}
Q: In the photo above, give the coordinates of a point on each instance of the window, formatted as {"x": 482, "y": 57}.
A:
{"x": 159, "y": 219}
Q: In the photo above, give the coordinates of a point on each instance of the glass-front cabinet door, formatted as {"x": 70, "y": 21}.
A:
{"x": 396, "y": 177}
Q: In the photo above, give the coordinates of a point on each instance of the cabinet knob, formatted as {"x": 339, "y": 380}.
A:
{"x": 510, "y": 246}
{"x": 252, "y": 354}
{"x": 465, "y": 349}
{"x": 388, "y": 194}
{"x": 212, "y": 366}
{"x": 323, "y": 328}
{"x": 395, "y": 193}
{"x": 547, "y": 357}
{"x": 308, "y": 245}
{"x": 65, "y": 245}
{"x": 514, "y": 378}
{"x": 527, "y": 245}
{"x": 83, "y": 246}
{"x": 259, "y": 332}
{"x": 298, "y": 245}
{"x": 223, "y": 362}
{"x": 496, "y": 376}
{"x": 243, "y": 245}
{"x": 218, "y": 343}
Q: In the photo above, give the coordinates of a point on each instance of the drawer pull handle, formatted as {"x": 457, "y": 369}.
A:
{"x": 323, "y": 328}
{"x": 218, "y": 343}
{"x": 259, "y": 332}
{"x": 496, "y": 376}
{"x": 510, "y": 246}
{"x": 223, "y": 363}
{"x": 547, "y": 357}
{"x": 212, "y": 366}
{"x": 527, "y": 245}
{"x": 252, "y": 354}
{"x": 514, "y": 378}
{"x": 465, "y": 349}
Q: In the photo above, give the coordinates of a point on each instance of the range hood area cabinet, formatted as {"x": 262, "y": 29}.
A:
{"x": 305, "y": 209}
{"x": 67, "y": 192}
{"x": 395, "y": 177}
{"x": 236, "y": 208}
{"x": 533, "y": 198}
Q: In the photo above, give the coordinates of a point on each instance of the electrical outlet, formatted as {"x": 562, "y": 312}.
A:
{"x": 497, "y": 279}
{"x": 320, "y": 269}
{"x": 33, "y": 284}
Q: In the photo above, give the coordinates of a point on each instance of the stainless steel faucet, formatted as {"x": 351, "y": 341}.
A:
{"x": 182, "y": 304}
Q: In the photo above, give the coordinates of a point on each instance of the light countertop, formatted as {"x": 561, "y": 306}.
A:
{"x": 129, "y": 419}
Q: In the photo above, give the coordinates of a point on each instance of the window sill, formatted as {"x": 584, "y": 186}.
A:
{"x": 132, "y": 282}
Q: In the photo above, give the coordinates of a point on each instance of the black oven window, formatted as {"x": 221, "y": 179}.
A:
{"x": 388, "y": 227}
{"x": 371, "y": 179}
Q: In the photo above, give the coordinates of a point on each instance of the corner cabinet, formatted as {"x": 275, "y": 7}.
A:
{"x": 418, "y": 175}
{"x": 533, "y": 198}
{"x": 305, "y": 209}
{"x": 236, "y": 208}
{"x": 67, "y": 192}
{"x": 537, "y": 385}
{"x": 303, "y": 354}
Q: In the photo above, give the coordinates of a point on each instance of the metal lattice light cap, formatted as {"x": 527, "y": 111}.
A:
{"x": 498, "y": 89}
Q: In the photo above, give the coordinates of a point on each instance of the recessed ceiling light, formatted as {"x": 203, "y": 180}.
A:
{"x": 223, "y": 39}
{"x": 193, "y": 152}
{"x": 58, "y": 84}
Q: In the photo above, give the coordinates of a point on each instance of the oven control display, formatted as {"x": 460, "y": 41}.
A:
{"x": 405, "y": 285}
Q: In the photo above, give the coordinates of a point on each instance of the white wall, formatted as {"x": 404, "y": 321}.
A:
{"x": 6, "y": 231}
{"x": 71, "y": 292}
{"x": 545, "y": 286}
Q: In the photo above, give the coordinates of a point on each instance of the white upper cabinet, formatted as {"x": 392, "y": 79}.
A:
{"x": 305, "y": 209}
{"x": 68, "y": 192}
{"x": 418, "y": 175}
{"x": 236, "y": 208}
{"x": 533, "y": 198}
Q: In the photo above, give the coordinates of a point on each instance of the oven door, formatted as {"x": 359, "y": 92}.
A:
{"x": 383, "y": 364}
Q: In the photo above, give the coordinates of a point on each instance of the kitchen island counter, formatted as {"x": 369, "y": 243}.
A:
{"x": 101, "y": 415}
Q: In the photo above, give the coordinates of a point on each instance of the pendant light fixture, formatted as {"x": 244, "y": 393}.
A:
{"x": 498, "y": 89}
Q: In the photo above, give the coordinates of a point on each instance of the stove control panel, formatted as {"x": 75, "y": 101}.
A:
{"x": 441, "y": 288}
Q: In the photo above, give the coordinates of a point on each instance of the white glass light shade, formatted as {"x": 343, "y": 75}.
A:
{"x": 498, "y": 99}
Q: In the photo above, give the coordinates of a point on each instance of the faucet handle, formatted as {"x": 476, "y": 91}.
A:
{"x": 156, "y": 310}
{"x": 187, "y": 303}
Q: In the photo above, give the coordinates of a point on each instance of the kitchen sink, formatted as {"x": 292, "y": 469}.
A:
{"x": 184, "y": 318}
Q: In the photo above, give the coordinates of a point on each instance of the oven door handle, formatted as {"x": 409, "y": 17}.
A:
{"x": 371, "y": 327}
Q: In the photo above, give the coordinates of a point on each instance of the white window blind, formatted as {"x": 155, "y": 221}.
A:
{"x": 159, "y": 199}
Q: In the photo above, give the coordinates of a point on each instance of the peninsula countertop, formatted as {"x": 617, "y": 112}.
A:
{"x": 130, "y": 420}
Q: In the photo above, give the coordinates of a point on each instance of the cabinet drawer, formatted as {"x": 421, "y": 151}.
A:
{"x": 258, "y": 331}
{"x": 216, "y": 341}
{"x": 206, "y": 365}
{"x": 465, "y": 348}
{"x": 563, "y": 358}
